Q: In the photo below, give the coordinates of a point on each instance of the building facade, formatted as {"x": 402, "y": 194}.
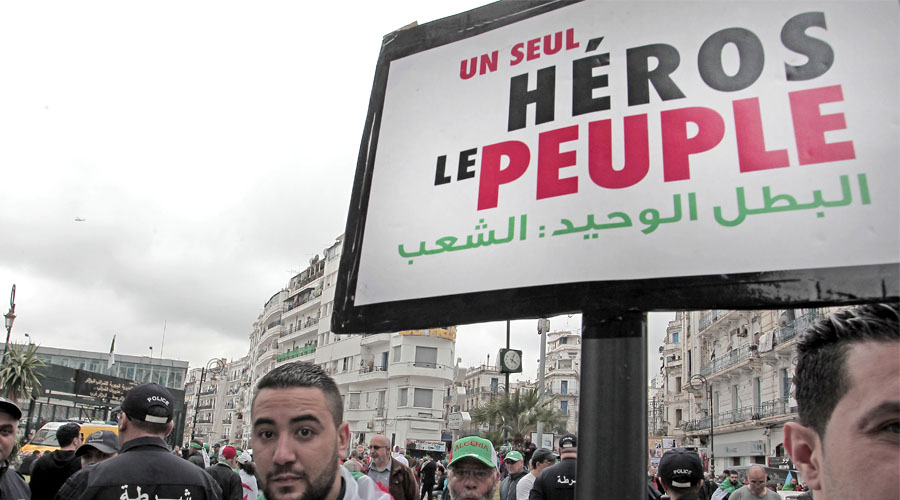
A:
{"x": 562, "y": 373}
{"x": 730, "y": 372}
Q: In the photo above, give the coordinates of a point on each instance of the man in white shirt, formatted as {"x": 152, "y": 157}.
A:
{"x": 540, "y": 460}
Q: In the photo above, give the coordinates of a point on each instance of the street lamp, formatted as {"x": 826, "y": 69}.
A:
{"x": 698, "y": 381}
{"x": 214, "y": 366}
{"x": 9, "y": 317}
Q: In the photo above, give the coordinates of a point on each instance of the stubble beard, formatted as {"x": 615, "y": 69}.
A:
{"x": 461, "y": 496}
{"x": 317, "y": 488}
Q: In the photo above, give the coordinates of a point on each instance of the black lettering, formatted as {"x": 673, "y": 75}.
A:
{"x": 543, "y": 97}
{"x": 466, "y": 161}
{"x": 584, "y": 83}
{"x": 750, "y": 54}
{"x": 820, "y": 54}
{"x": 439, "y": 176}
{"x": 640, "y": 76}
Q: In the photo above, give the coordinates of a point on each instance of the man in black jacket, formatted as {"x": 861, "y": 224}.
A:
{"x": 557, "y": 482}
{"x": 427, "y": 471}
{"x": 12, "y": 485}
{"x": 144, "y": 467}
{"x": 51, "y": 470}
{"x": 224, "y": 474}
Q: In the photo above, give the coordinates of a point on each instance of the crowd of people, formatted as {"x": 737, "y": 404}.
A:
{"x": 844, "y": 443}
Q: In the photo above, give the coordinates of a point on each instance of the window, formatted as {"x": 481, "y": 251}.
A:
{"x": 677, "y": 384}
{"x": 564, "y": 340}
{"x": 675, "y": 337}
{"x": 426, "y": 357}
{"x": 734, "y": 397}
{"x": 401, "y": 397}
{"x": 354, "y": 401}
{"x": 422, "y": 398}
{"x": 757, "y": 392}
{"x": 494, "y": 384}
{"x": 396, "y": 351}
{"x": 564, "y": 387}
{"x": 384, "y": 361}
{"x": 678, "y": 418}
{"x": 564, "y": 407}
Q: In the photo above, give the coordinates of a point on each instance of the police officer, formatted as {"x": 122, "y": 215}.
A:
{"x": 144, "y": 467}
{"x": 557, "y": 482}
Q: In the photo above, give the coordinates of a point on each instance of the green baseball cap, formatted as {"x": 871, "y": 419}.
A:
{"x": 474, "y": 447}
{"x": 514, "y": 456}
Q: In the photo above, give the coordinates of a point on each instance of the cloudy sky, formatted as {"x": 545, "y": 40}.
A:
{"x": 209, "y": 148}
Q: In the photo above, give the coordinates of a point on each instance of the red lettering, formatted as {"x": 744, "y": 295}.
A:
{"x": 751, "y": 145}
{"x": 570, "y": 39}
{"x": 637, "y": 153}
{"x": 551, "y": 48}
{"x": 533, "y": 47}
{"x": 551, "y": 160}
{"x": 810, "y": 126}
{"x": 467, "y": 71}
{"x": 517, "y": 53}
{"x": 677, "y": 146}
{"x": 491, "y": 176}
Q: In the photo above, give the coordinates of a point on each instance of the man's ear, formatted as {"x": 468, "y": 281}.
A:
{"x": 343, "y": 434}
{"x": 805, "y": 449}
{"x": 169, "y": 427}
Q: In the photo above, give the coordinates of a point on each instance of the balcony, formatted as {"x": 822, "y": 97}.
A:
{"x": 774, "y": 408}
{"x": 298, "y": 301}
{"x": 375, "y": 339}
{"x": 204, "y": 407}
{"x": 207, "y": 392}
{"x": 296, "y": 353}
{"x": 799, "y": 325}
{"x": 728, "y": 360}
{"x": 371, "y": 367}
{"x": 226, "y": 421}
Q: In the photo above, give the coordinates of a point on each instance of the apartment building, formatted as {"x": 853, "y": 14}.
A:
{"x": 730, "y": 372}
{"x": 562, "y": 373}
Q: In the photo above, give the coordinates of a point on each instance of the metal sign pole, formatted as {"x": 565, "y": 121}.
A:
{"x": 612, "y": 425}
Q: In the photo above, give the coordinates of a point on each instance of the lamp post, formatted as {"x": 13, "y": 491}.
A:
{"x": 214, "y": 366}
{"x": 9, "y": 318}
{"x": 696, "y": 382}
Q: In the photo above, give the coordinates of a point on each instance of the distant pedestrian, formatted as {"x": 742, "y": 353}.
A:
{"x": 427, "y": 473}
{"x": 224, "y": 474}
{"x": 25, "y": 467}
{"x": 540, "y": 460}
{"x": 247, "y": 471}
{"x": 50, "y": 472}
{"x": 756, "y": 487}
{"x": 515, "y": 464}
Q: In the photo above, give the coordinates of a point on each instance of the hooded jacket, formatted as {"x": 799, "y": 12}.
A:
{"x": 49, "y": 472}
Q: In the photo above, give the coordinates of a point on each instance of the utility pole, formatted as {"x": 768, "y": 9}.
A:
{"x": 543, "y": 328}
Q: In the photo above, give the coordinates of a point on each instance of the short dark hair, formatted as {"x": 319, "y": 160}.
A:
{"x": 152, "y": 427}
{"x": 67, "y": 433}
{"x": 820, "y": 380}
{"x": 303, "y": 374}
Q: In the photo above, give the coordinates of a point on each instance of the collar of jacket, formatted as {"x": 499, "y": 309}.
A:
{"x": 146, "y": 441}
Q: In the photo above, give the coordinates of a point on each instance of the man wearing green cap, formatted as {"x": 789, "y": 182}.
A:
{"x": 473, "y": 470}
{"x": 515, "y": 464}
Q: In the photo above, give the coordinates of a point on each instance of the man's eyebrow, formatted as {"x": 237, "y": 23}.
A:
{"x": 886, "y": 409}
{"x": 6, "y": 426}
{"x": 294, "y": 420}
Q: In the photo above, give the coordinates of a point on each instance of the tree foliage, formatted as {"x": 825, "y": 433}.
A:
{"x": 518, "y": 414}
{"x": 20, "y": 373}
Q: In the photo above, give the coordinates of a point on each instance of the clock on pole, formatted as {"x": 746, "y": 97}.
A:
{"x": 510, "y": 361}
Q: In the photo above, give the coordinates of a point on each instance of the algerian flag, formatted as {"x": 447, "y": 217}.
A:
{"x": 112, "y": 355}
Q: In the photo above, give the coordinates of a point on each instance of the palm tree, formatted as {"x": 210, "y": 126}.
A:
{"x": 518, "y": 414}
{"x": 21, "y": 372}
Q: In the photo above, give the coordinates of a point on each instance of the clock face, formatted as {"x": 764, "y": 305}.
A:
{"x": 512, "y": 360}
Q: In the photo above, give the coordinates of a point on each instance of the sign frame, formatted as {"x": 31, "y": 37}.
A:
{"x": 769, "y": 289}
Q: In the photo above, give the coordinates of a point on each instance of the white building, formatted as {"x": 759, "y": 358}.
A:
{"x": 745, "y": 359}
{"x": 562, "y": 373}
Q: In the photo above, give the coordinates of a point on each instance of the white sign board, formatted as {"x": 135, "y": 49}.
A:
{"x": 632, "y": 140}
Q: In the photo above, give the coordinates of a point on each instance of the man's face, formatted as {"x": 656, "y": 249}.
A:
{"x": 93, "y": 455}
{"x": 757, "y": 482}
{"x": 470, "y": 479}
{"x": 860, "y": 454}
{"x": 380, "y": 450}
{"x": 515, "y": 467}
{"x": 734, "y": 478}
{"x": 295, "y": 444}
{"x": 8, "y": 426}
